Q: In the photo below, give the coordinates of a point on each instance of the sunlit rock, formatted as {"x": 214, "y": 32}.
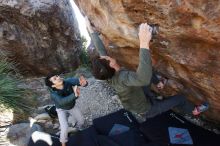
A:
{"x": 186, "y": 50}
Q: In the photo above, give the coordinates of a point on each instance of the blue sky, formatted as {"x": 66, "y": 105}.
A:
{"x": 81, "y": 22}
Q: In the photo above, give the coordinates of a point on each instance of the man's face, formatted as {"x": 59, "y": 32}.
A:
{"x": 56, "y": 80}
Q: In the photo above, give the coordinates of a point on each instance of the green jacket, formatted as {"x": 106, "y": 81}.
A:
{"x": 128, "y": 84}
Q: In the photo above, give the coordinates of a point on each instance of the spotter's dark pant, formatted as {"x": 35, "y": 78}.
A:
{"x": 159, "y": 106}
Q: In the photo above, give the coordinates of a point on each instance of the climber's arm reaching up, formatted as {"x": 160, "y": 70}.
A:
{"x": 95, "y": 39}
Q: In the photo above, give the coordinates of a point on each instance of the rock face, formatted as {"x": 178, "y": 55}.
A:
{"x": 186, "y": 50}
{"x": 19, "y": 134}
{"x": 40, "y": 35}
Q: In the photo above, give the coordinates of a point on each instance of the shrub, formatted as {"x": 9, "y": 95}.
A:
{"x": 11, "y": 95}
{"x": 84, "y": 57}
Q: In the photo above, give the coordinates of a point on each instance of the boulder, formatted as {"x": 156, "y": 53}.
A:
{"x": 40, "y": 35}
{"x": 19, "y": 134}
{"x": 186, "y": 49}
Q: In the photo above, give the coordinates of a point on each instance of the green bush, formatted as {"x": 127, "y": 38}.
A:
{"x": 84, "y": 57}
{"x": 11, "y": 95}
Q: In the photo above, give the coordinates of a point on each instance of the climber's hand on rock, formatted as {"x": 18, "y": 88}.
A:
{"x": 144, "y": 35}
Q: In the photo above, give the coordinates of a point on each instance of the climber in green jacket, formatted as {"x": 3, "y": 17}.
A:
{"x": 128, "y": 84}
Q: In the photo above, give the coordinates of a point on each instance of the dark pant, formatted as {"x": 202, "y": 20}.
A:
{"x": 147, "y": 90}
{"x": 149, "y": 93}
{"x": 159, "y": 106}
{"x": 177, "y": 101}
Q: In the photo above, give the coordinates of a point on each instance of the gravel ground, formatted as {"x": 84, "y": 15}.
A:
{"x": 96, "y": 100}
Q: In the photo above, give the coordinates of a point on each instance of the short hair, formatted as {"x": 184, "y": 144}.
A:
{"x": 48, "y": 83}
{"x": 101, "y": 69}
